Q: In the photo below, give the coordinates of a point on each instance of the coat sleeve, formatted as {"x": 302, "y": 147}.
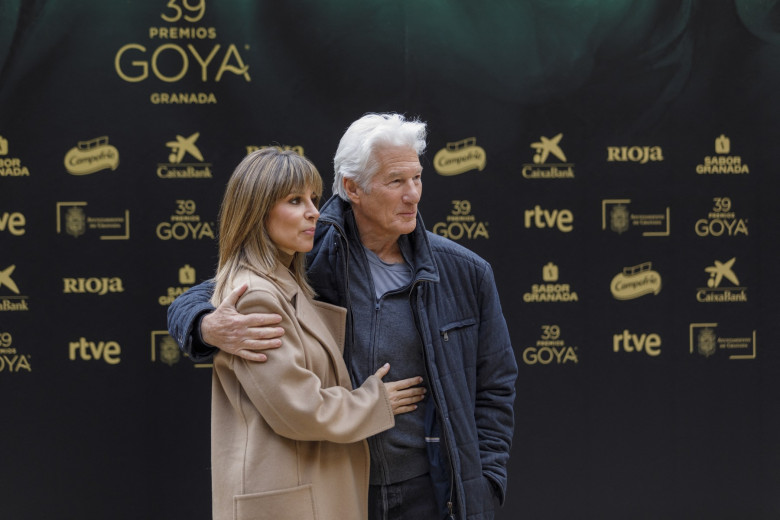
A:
{"x": 184, "y": 316}
{"x": 496, "y": 377}
{"x": 291, "y": 398}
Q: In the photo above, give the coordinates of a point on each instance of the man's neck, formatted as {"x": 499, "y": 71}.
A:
{"x": 383, "y": 246}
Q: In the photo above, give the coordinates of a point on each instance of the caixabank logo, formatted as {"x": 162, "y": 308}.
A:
{"x": 462, "y": 223}
{"x": 620, "y": 216}
{"x": 12, "y": 360}
{"x": 723, "y": 162}
{"x": 11, "y": 297}
{"x": 543, "y": 167}
{"x": 76, "y": 220}
{"x": 11, "y": 166}
{"x": 551, "y": 349}
{"x": 460, "y": 157}
{"x": 708, "y": 340}
{"x": 181, "y": 148}
{"x": 722, "y": 284}
{"x": 182, "y": 50}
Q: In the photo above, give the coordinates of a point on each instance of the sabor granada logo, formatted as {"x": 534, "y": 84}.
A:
{"x": 186, "y": 279}
{"x": 459, "y": 157}
{"x": 91, "y": 156}
{"x": 551, "y": 290}
{"x": 723, "y": 162}
{"x": 10, "y": 166}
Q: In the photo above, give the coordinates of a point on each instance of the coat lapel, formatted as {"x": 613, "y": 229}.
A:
{"x": 325, "y": 322}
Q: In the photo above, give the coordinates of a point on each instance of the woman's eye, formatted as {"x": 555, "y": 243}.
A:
{"x": 295, "y": 200}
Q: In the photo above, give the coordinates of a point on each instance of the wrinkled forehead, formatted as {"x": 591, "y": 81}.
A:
{"x": 397, "y": 161}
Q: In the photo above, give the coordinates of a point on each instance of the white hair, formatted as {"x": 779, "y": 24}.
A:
{"x": 355, "y": 157}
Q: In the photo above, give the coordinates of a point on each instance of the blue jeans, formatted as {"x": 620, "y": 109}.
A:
{"x": 410, "y": 499}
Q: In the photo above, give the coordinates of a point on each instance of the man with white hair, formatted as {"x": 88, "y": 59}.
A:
{"x": 420, "y": 301}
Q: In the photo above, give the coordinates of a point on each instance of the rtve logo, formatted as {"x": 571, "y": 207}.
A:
{"x": 108, "y": 351}
{"x": 13, "y": 222}
{"x": 627, "y": 342}
{"x": 540, "y": 218}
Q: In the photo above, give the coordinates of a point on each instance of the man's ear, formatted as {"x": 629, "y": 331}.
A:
{"x": 351, "y": 187}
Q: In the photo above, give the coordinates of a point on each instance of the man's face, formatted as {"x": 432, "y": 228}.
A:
{"x": 389, "y": 209}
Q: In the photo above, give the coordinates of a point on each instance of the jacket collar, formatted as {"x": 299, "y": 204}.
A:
{"x": 336, "y": 211}
{"x": 286, "y": 283}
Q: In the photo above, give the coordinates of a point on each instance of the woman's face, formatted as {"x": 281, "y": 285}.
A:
{"x": 291, "y": 221}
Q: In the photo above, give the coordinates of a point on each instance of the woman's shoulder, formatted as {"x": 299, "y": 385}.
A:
{"x": 253, "y": 280}
{"x": 261, "y": 289}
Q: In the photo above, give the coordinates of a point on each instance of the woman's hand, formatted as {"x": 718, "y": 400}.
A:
{"x": 403, "y": 394}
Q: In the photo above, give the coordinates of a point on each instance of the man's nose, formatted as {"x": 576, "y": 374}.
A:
{"x": 412, "y": 192}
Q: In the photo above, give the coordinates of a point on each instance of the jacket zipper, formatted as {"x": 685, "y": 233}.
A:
{"x": 435, "y": 394}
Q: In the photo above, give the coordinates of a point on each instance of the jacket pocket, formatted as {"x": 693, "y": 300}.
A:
{"x": 455, "y": 326}
{"x": 297, "y": 502}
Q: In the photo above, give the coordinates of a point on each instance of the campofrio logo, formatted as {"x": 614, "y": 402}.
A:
{"x": 459, "y": 157}
{"x": 91, "y": 156}
{"x": 635, "y": 281}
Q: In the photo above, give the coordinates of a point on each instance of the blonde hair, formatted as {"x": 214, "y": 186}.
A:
{"x": 260, "y": 180}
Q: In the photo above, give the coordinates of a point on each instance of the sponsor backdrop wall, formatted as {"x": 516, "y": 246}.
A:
{"x": 616, "y": 162}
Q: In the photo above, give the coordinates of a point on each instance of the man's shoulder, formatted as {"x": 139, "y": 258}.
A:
{"x": 448, "y": 250}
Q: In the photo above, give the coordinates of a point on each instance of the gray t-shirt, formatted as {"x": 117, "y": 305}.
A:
{"x": 385, "y": 332}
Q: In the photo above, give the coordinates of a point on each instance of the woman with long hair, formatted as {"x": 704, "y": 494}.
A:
{"x": 288, "y": 435}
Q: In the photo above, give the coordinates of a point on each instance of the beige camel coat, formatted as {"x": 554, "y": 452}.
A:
{"x": 287, "y": 435}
